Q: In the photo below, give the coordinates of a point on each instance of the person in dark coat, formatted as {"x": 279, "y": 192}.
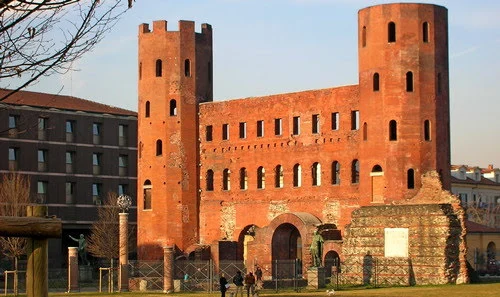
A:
{"x": 238, "y": 282}
{"x": 223, "y": 285}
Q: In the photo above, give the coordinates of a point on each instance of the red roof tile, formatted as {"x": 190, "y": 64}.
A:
{"x": 478, "y": 228}
{"x": 61, "y": 102}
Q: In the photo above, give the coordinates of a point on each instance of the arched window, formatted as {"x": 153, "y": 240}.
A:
{"x": 261, "y": 178}
{"x": 159, "y": 147}
{"x": 243, "y": 179}
{"x": 391, "y": 28}
{"x": 210, "y": 180}
{"x": 409, "y": 81}
{"x": 365, "y": 131}
{"x": 147, "y": 111}
{"x": 278, "y": 176}
{"x": 355, "y": 172}
{"x": 226, "y": 180}
{"x": 427, "y": 130}
{"x": 363, "y": 36}
{"x": 376, "y": 82}
{"x": 425, "y": 32}
{"x": 159, "y": 68}
{"x": 411, "y": 179}
{"x": 297, "y": 175}
{"x": 173, "y": 107}
{"x": 140, "y": 70}
{"x": 147, "y": 187}
{"x": 377, "y": 168}
{"x": 335, "y": 173}
{"x": 393, "y": 130}
{"x": 316, "y": 174}
{"x": 187, "y": 68}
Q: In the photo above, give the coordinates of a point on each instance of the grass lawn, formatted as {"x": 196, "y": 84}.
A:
{"x": 473, "y": 290}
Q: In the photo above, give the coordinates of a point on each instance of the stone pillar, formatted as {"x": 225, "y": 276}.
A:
{"x": 123, "y": 246}
{"x": 37, "y": 270}
{"x": 168, "y": 269}
{"x": 73, "y": 272}
{"x": 316, "y": 277}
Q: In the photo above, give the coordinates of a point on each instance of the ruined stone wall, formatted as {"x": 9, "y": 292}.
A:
{"x": 435, "y": 244}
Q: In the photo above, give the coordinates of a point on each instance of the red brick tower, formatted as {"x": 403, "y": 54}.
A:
{"x": 404, "y": 99}
{"x": 175, "y": 75}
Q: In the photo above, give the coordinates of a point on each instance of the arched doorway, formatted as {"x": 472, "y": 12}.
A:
{"x": 247, "y": 235}
{"x": 332, "y": 259}
{"x": 287, "y": 251}
{"x": 377, "y": 176}
{"x": 491, "y": 251}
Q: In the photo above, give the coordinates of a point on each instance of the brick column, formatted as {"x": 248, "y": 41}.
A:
{"x": 73, "y": 273}
{"x": 168, "y": 269}
{"x": 123, "y": 246}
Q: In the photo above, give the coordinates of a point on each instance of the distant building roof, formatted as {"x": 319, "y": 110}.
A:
{"x": 473, "y": 227}
{"x": 470, "y": 181}
{"x": 61, "y": 102}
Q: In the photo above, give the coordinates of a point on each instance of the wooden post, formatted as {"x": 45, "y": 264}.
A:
{"x": 37, "y": 272}
{"x": 123, "y": 251}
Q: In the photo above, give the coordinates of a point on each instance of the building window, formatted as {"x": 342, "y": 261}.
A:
{"x": 363, "y": 36}
{"x": 225, "y": 131}
{"x": 42, "y": 160}
{"x": 243, "y": 179}
{"x": 42, "y": 128}
{"x": 210, "y": 180}
{"x": 278, "y": 179}
{"x": 393, "y": 130}
{"x": 261, "y": 178}
{"x": 243, "y": 130}
{"x": 409, "y": 81}
{"x": 355, "y": 172}
{"x": 96, "y": 194}
{"x": 122, "y": 135}
{"x": 70, "y": 131}
{"x": 122, "y": 189}
{"x": 97, "y": 133}
{"x": 159, "y": 147}
{"x": 278, "y": 130}
{"x": 147, "y": 195}
{"x": 425, "y": 32}
{"x": 187, "y": 68}
{"x": 42, "y": 187}
{"x": 173, "y": 107}
{"x": 122, "y": 165}
{"x": 159, "y": 68}
{"x": 260, "y": 128}
{"x": 147, "y": 111}
{"x": 70, "y": 191}
{"x": 335, "y": 120}
{"x": 316, "y": 174}
{"x": 13, "y": 158}
{"x": 354, "y": 120}
{"x": 365, "y": 131}
{"x": 391, "y": 32}
{"x": 226, "y": 180}
{"x": 411, "y": 179}
{"x": 296, "y": 126}
{"x": 376, "y": 82}
{"x": 315, "y": 123}
{"x": 96, "y": 163}
{"x": 70, "y": 158}
{"x": 427, "y": 130}
{"x": 335, "y": 173}
{"x": 297, "y": 175}
{"x": 209, "y": 133}
{"x": 13, "y": 126}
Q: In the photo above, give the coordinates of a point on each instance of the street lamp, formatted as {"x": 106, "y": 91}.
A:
{"x": 123, "y": 202}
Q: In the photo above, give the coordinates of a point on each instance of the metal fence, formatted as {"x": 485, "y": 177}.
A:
{"x": 198, "y": 276}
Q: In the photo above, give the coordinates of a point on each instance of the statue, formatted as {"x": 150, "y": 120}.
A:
{"x": 316, "y": 249}
{"x": 82, "y": 248}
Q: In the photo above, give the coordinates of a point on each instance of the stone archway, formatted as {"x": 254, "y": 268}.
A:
{"x": 332, "y": 259}
{"x": 286, "y": 243}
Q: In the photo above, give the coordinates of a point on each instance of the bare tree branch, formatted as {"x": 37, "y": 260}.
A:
{"x": 42, "y": 37}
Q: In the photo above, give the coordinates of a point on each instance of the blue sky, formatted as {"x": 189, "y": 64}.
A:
{"x": 277, "y": 46}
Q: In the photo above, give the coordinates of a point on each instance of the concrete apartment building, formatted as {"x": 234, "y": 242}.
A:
{"x": 74, "y": 152}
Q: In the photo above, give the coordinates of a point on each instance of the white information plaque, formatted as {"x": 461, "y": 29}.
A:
{"x": 396, "y": 242}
